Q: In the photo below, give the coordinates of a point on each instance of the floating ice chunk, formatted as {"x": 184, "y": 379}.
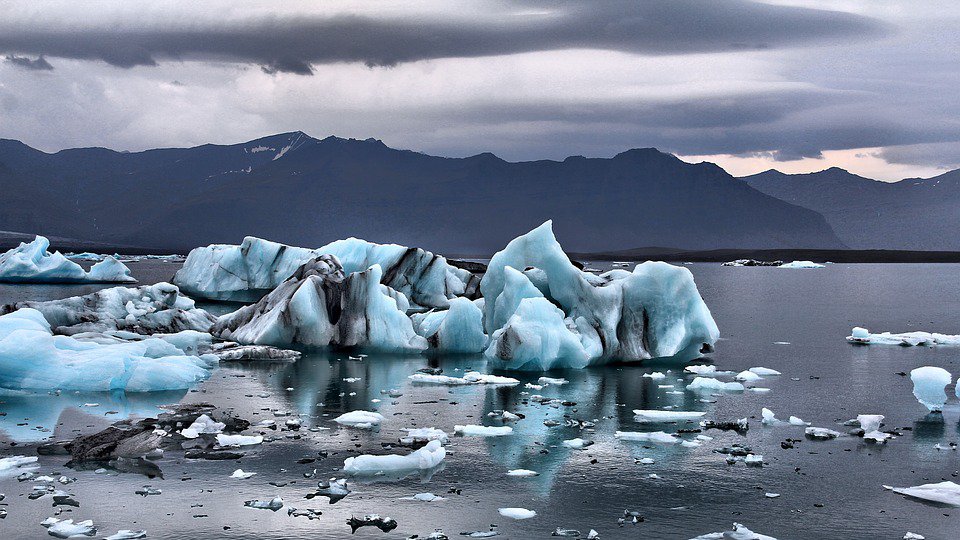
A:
{"x": 68, "y": 529}
{"x": 862, "y": 336}
{"x": 424, "y": 435}
{"x": 239, "y": 473}
{"x": 424, "y": 497}
{"x": 763, "y": 372}
{"x": 651, "y": 436}
{"x": 755, "y": 460}
{"x": 707, "y": 384}
{"x": 522, "y": 472}
{"x": 516, "y": 513}
{"x": 769, "y": 418}
{"x": 536, "y": 337}
{"x": 549, "y": 380}
{"x": 747, "y": 376}
{"x": 822, "y": 434}
{"x": 482, "y": 431}
{"x": 127, "y": 534}
{"x": 239, "y": 440}
{"x": 32, "y": 358}
{"x": 33, "y": 263}
{"x": 795, "y": 421}
{"x": 471, "y": 377}
{"x": 928, "y": 385}
{"x": 13, "y": 463}
{"x": 427, "y": 457}
{"x": 801, "y": 264}
{"x": 739, "y": 532}
{"x": 871, "y": 427}
{"x": 913, "y": 536}
{"x": 359, "y": 419}
{"x": 654, "y": 311}
{"x": 649, "y": 416}
{"x": 655, "y": 375}
{"x": 203, "y": 424}
{"x": 273, "y": 504}
{"x": 942, "y": 492}
{"x": 577, "y": 444}
{"x": 458, "y": 329}
{"x": 701, "y": 369}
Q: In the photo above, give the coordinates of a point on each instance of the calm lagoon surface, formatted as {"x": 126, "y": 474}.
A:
{"x": 794, "y": 321}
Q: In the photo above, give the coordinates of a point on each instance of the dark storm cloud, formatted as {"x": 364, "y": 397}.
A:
{"x": 286, "y": 43}
{"x": 38, "y": 64}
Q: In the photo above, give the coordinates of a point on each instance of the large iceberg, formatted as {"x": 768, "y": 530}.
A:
{"x": 247, "y": 272}
{"x": 318, "y": 306}
{"x": 33, "y": 358}
{"x": 33, "y": 263}
{"x": 458, "y": 329}
{"x": 148, "y": 309}
{"x": 653, "y": 312}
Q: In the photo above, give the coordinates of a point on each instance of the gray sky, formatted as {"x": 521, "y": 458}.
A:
{"x": 868, "y": 85}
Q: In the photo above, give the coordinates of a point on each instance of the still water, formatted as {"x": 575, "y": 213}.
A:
{"x": 793, "y": 321}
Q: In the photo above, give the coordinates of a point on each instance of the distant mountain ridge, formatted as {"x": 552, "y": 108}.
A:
{"x": 912, "y": 214}
{"x": 301, "y": 190}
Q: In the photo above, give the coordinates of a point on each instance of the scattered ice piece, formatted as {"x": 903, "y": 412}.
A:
{"x": 769, "y": 418}
{"x": 862, "y": 336}
{"x": 753, "y": 460}
{"x": 273, "y": 504}
{"x": 651, "y": 416}
{"x": 655, "y": 375}
{"x": 820, "y": 433}
{"x": 424, "y": 435}
{"x": 700, "y": 369}
{"x": 577, "y": 443}
{"x": 522, "y": 472}
{"x": 801, "y": 264}
{"x": 928, "y": 385}
{"x": 942, "y": 492}
{"x": 333, "y": 489}
{"x": 359, "y": 419}
{"x": 238, "y": 440}
{"x": 203, "y": 424}
{"x": 550, "y": 380}
{"x": 644, "y": 461}
{"x": 706, "y": 384}
{"x": 913, "y": 536}
{"x": 239, "y": 473}
{"x": 425, "y": 458}
{"x": 127, "y": 534}
{"x": 482, "y": 431}
{"x": 352, "y": 379}
{"x": 644, "y": 436}
{"x": 385, "y": 524}
{"x": 67, "y": 528}
{"x": 516, "y": 513}
{"x": 424, "y": 497}
{"x": 770, "y": 495}
{"x": 471, "y": 377}
{"x": 762, "y": 371}
{"x": 739, "y": 532}
{"x": 747, "y": 376}
{"x": 795, "y": 421}
{"x": 871, "y": 427}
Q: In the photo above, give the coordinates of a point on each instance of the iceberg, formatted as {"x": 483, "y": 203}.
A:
{"x": 245, "y": 273}
{"x": 942, "y": 492}
{"x": 928, "y": 386}
{"x": 801, "y": 264}
{"x": 318, "y": 306}
{"x": 653, "y": 312}
{"x": 148, "y": 309}
{"x": 33, "y": 358}
{"x": 458, "y": 329}
{"x": 427, "y": 457}
{"x": 862, "y": 336}
{"x": 33, "y": 263}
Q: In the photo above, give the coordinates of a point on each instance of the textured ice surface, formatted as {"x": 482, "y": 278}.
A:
{"x": 32, "y": 263}
{"x": 202, "y": 425}
{"x": 654, "y": 311}
{"x": 862, "y": 336}
{"x": 928, "y": 386}
{"x": 255, "y": 267}
{"x": 427, "y": 457}
{"x": 537, "y": 337}
{"x": 148, "y": 309}
{"x": 820, "y": 433}
{"x": 739, "y": 532}
{"x": 67, "y": 528}
{"x": 458, "y": 329}
{"x": 942, "y": 492}
{"x": 32, "y": 358}
{"x": 470, "y": 377}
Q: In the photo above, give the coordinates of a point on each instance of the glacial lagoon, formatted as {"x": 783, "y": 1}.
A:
{"x": 793, "y": 321}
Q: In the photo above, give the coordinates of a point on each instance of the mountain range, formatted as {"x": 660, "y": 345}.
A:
{"x": 301, "y": 190}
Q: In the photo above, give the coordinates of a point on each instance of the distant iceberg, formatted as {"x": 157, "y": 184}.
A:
{"x": 33, "y": 263}
{"x": 801, "y": 264}
{"x": 862, "y": 336}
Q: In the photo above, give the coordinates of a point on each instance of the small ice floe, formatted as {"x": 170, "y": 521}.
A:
{"x": 482, "y": 534}
{"x": 13, "y": 463}
{"x": 532, "y": 386}
{"x": 577, "y": 444}
{"x": 771, "y": 495}
{"x": 753, "y": 460}
{"x": 385, "y": 524}
{"x": 427, "y": 457}
{"x": 708, "y": 384}
{"x": 942, "y": 492}
{"x": 67, "y": 528}
{"x": 423, "y": 436}
{"x": 147, "y": 490}
{"x": 238, "y": 440}
{"x": 870, "y": 423}
{"x": 516, "y": 513}
{"x": 652, "y": 416}
{"x": 801, "y": 264}
{"x": 522, "y": 473}
{"x": 202, "y": 425}
{"x": 473, "y": 430}
{"x": 471, "y": 377}
{"x": 701, "y": 369}
{"x": 747, "y": 376}
{"x": 740, "y": 425}
{"x": 308, "y": 513}
{"x": 645, "y": 436}
{"x": 781, "y": 343}
{"x": 273, "y": 504}
{"x": 913, "y": 536}
{"x": 424, "y": 497}
{"x": 821, "y": 434}
{"x": 768, "y": 417}
{"x": 551, "y": 381}
{"x": 928, "y": 385}
{"x": 739, "y": 532}
{"x": 333, "y": 489}
{"x": 951, "y": 446}
{"x": 655, "y": 375}
{"x": 796, "y": 421}
{"x": 351, "y": 379}
{"x": 359, "y": 419}
{"x": 239, "y": 473}
{"x": 862, "y": 336}
{"x": 505, "y": 416}
{"x": 644, "y": 461}
{"x": 127, "y": 534}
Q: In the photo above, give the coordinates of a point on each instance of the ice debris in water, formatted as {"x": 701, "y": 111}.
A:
{"x": 739, "y": 532}
{"x": 522, "y": 473}
{"x": 862, "y": 336}
{"x": 360, "y": 419}
{"x": 942, "y": 492}
{"x": 471, "y": 377}
{"x": 482, "y": 431}
{"x": 577, "y": 443}
{"x": 653, "y": 416}
{"x": 707, "y": 384}
{"x": 913, "y": 536}
{"x": 822, "y": 434}
{"x": 427, "y": 457}
{"x": 645, "y": 436}
{"x": 747, "y": 376}
{"x": 333, "y": 489}
{"x": 32, "y": 358}
{"x": 871, "y": 427}
{"x": 273, "y": 504}
{"x": 801, "y": 264}
{"x": 33, "y": 263}
{"x": 551, "y": 380}
{"x": 763, "y": 372}
{"x": 928, "y": 385}
{"x": 424, "y": 497}
{"x": 67, "y": 528}
{"x": 13, "y": 463}
{"x": 239, "y": 473}
{"x": 423, "y": 435}
{"x": 516, "y": 513}
{"x": 385, "y": 524}
{"x": 127, "y": 534}
{"x": 655, "y": 375}
{"x": 238, "y": 440}
{"x": 202, "y": 425}
{"x": 701, "y": 369}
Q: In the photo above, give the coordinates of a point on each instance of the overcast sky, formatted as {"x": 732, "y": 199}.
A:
{"x": 798, "y": 85}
